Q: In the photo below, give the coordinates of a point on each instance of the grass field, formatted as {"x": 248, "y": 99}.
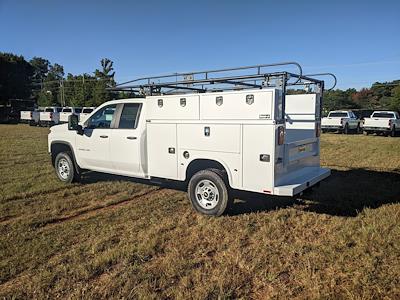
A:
{"x": 110, "y": 237}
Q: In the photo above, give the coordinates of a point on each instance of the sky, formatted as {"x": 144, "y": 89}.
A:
{"x": 359, "y": 41}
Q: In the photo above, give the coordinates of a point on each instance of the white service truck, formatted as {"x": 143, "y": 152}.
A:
{"x": 382, "y": 122}
{"x": 30, "y": 117}
{"x": 341, "y": 120}
{"x": 85, "y": 113}
{"x": 67, "y": 111}
{"x": 50, "y": 116}
{"x": 214, "y": 141}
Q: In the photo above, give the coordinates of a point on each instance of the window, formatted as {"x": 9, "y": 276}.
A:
{"x": 87, "y": 110}
{"x": 67, "y": 110}
{"x": 387, "y": 115}
{"x": 59, "y": 109}
{"x": 78, "y": 110}
{"x": 129, "y": 116}
{"x": 102, "y": 118}
{"x": 48, "y": 110}
{"x": 338, "y": 115}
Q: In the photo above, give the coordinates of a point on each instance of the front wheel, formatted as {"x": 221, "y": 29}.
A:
{"x": 65, "y": 168}
{"x": 208, "y": 193}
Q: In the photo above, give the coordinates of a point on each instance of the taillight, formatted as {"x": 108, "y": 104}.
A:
{"x": 51, "y": 115}
{"x": 281, "y": 135}
{"x": 341, "y": 121}
{"x": 390, "y": 123}
{"x": 318, "y": 129}
{"x": 31, "y": 114}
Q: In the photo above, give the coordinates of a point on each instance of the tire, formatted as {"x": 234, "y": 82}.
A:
{"x": 358, "y": 129}
{"x": 65, "y": 168}
{"x": 208, "y": 193}
{"x": 346, "y": 129}
{"x": 393, "y": 131}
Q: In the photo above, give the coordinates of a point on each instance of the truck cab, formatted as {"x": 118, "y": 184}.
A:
{"x": 343, "y": 121}
{"x": 254, "y": 140}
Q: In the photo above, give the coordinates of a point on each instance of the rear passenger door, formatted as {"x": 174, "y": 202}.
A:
{"x": 127, "y": 140}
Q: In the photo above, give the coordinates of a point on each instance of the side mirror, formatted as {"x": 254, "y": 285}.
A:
{"x": 73, "y": 124}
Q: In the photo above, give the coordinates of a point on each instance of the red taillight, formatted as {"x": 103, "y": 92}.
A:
{"x": 281, "y": 135}
{"x": 317, "y": 129}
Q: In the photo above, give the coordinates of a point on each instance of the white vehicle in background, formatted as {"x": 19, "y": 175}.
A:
{"x": 30, "y": 117}
{"x": 85, "y": 113}
{"x": 67, "y": 111}
{"x": 216, "y": 141}
{"x": 50, "y": 116}
{"x": 341, "y": 120}
{"x": 382, "y": 122}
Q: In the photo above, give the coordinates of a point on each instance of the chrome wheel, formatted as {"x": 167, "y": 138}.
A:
{"x": 207, "y": 194}
{"x": 63, "y": 168}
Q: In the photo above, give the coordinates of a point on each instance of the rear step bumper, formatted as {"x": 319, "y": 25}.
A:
{"x": 309, "y": 177}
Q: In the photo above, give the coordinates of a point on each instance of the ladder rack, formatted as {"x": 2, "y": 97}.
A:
{"x": 223, "y": 79}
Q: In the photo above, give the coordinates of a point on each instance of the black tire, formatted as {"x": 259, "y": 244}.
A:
{"x": 65, "y": 168}
{"x": 393, "y": 131}
{"x": 346, "y": 129}
{"x": 209, "y": 182}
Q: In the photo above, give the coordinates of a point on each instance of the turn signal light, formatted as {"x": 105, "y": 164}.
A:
{"x": 281, "y": 135}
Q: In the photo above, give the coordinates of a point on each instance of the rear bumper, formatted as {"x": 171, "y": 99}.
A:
{"x": 376, "y": 129}
{"x": 331, "y": 127}
{"x": 308, "y": 177}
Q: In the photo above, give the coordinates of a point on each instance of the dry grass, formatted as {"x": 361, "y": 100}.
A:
{"x": 112, "y": 238}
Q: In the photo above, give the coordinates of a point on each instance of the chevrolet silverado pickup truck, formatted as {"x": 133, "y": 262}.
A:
{"x": 341, "y": 120}
{"x": 214, "y": 141}
{"x": 382, "y": 122}
{"x": 67, "y": 111}
{"x": 49, "y": 116}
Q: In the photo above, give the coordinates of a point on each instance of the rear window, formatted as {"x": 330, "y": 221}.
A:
{"x": 87, "y": 110}
{"x": 67, "y": 110}
{"x": 48, "y": 110}
{"x": 338, "y": 115}
{"x": 383, "y": 115}
{"x": 78, "y": 110}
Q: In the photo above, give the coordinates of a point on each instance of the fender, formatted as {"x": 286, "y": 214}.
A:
{"x": 77, "y": 167}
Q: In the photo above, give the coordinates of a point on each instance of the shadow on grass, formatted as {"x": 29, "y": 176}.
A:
{"x": 344, "y": 193}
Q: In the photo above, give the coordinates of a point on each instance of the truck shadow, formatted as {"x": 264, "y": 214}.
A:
{"x": 344, "y": 193}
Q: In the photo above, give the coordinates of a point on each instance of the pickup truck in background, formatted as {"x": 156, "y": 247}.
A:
{"x": 67, "y": 111}
{"x": 382, "y": 122}
{"x": 341, "y": 120}
{"x": 85, "y": 113}
{"x": 50, "y": 116}
{"x": 30, "y": 117}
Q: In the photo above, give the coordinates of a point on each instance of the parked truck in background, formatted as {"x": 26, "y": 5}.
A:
{"x": 86, "y": 111}
{"x": 343, "y": 121}
{"x": 31, "y": 117}
{"x": 382, "y": 122}
{"x": 67, "y": 111}
{"x": 50, "y": 116}
{"x": 216, "y": 141}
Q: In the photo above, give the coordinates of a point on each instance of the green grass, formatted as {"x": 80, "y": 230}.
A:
{"x": 110, "y": 237}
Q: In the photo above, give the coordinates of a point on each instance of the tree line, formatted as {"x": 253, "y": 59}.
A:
{"x": 47, "y": 84}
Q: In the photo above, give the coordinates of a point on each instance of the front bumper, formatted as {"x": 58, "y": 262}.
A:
{"x": 308, "y": 177}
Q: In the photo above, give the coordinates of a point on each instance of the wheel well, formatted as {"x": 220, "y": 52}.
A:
{"x": 204, "y": 164}
{"x": 58, "y": 148}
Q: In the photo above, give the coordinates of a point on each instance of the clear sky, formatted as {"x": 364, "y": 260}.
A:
{"x": 357, "y": 40}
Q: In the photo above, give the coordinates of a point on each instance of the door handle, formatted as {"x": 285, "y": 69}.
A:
{"x": 131, "y": 137}
{"x": 104, "y": 136}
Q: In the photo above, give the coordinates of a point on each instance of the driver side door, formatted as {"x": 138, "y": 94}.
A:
{"x": 93, "y": 147}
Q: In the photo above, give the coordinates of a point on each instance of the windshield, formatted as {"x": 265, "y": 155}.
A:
{"x": 338, "y": 115}
{"x": 87, "y": 110}
{"x": 383, "y": 115}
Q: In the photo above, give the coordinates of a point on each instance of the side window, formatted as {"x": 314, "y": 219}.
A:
{"x": 102, "y": 118}
{"x": 129, "y": 116}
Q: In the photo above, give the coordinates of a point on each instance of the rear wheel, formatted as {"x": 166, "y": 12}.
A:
{"x": 346, "y": 129}
{"x": 65, "y": 168}
{"x": 393, "y": 131}
{"x": 208, "y": 193}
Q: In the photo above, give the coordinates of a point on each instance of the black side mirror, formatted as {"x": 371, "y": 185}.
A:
{"x": 73, "y": 124}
